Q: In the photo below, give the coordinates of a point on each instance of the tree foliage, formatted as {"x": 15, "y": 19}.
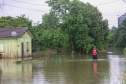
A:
{"x": 112, "y": 36}
{"x": 120, "y": 36}
{"x": 49, "y": 21}
{"x": 70, "y": 23}
{"x": 19, "y": 21}
{"x": 49, "y": 38}
{"x": 82, "y": 22}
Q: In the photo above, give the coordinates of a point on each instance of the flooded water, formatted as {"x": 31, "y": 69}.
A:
{"x": 62, "y": 70}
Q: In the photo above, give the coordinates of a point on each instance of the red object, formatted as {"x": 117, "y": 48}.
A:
{"x": 94, "y": 52}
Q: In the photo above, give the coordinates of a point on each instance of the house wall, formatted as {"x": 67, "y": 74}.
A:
{"x": 27, "y": 45}
{"x": 8, "y": 48}
{"x": 12, "y": 47}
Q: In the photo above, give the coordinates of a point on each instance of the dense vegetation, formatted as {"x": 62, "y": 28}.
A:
{"x": 20, "y": 21}
{"x": 119, "y": 35}
{"x": 70, "y": 24}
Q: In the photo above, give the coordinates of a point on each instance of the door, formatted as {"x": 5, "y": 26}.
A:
{"x": 22, "y": 49}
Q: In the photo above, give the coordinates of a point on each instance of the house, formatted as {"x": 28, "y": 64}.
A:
{"x": 15, "y": 43}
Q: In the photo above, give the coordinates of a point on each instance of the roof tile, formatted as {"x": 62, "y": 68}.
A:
{"x": 9, "y": 32}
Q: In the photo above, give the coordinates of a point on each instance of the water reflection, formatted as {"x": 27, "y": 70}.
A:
{"x": 73, "y": 72}
{"x": 60, "y": 70}
{"x": 116, "y": 70}
{"x": 12, "y": 73}
{"x": 94, "y": 67}
{"x": 0, "y": 76}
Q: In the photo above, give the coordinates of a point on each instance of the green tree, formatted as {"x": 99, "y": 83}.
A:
{"x": 19, "y": 21}
{"x": 49, "y": 21}
{"x": 120, "y": 36}
{"x": 111, "y": 36}
{"x": 49, "y": 38}
{"x": 82, "y": 22}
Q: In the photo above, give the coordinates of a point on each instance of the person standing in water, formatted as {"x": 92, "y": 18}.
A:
{"x": 94, "y": 53}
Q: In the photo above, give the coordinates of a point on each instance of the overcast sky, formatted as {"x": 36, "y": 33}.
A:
{"x": 34, "y": 9}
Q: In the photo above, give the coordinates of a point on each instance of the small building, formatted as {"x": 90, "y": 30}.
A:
{"x": 15, "y": 43}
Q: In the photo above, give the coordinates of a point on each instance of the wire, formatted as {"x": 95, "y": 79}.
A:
{"x": 2, "y": 7}
{"x": 33, "y": 9}
{"x": 29, "y": 3}
{"x": 33, "y": 4}
{"x": 1, "y": 4}
{"x": 38, "y": 10}
{"x": 107, "y": 3}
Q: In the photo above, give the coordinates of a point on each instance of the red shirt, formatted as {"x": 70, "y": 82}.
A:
{"x": 94, "y": 52}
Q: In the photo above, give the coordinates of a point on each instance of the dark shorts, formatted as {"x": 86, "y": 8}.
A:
{"x": 95, "y": 57}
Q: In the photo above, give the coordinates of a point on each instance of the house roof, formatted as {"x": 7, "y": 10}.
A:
{"x": 12, "y": 32}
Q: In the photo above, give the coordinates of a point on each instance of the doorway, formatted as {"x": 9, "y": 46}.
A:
{"x": 22, "y": 49}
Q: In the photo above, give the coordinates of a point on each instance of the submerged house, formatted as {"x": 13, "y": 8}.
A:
{"x": 15, "y": 43}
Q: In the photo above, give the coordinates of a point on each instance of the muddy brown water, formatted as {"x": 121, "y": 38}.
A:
{"x": 65, "y": 70}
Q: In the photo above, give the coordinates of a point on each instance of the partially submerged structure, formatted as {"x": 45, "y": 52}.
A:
{"x": 15, "y": 43}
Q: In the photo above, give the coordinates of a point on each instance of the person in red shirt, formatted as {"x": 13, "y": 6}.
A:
{"x": 94, "y": 53}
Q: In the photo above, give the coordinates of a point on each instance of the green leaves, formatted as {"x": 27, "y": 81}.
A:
{"x": 69, "y": 23}
{"x": 120, "y": 36}
{"x": 50, "y": 21}
{"x": 20, "y": 21}
{"x": 50, "y": 38}
{"x": 82, "y": 22}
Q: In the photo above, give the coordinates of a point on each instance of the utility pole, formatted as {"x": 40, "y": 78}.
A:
{"x": 2, "y": 7}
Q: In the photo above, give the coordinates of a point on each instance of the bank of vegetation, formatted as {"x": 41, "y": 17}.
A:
{"x": 117, "y": 36}
{"x": 69, "y": 25}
